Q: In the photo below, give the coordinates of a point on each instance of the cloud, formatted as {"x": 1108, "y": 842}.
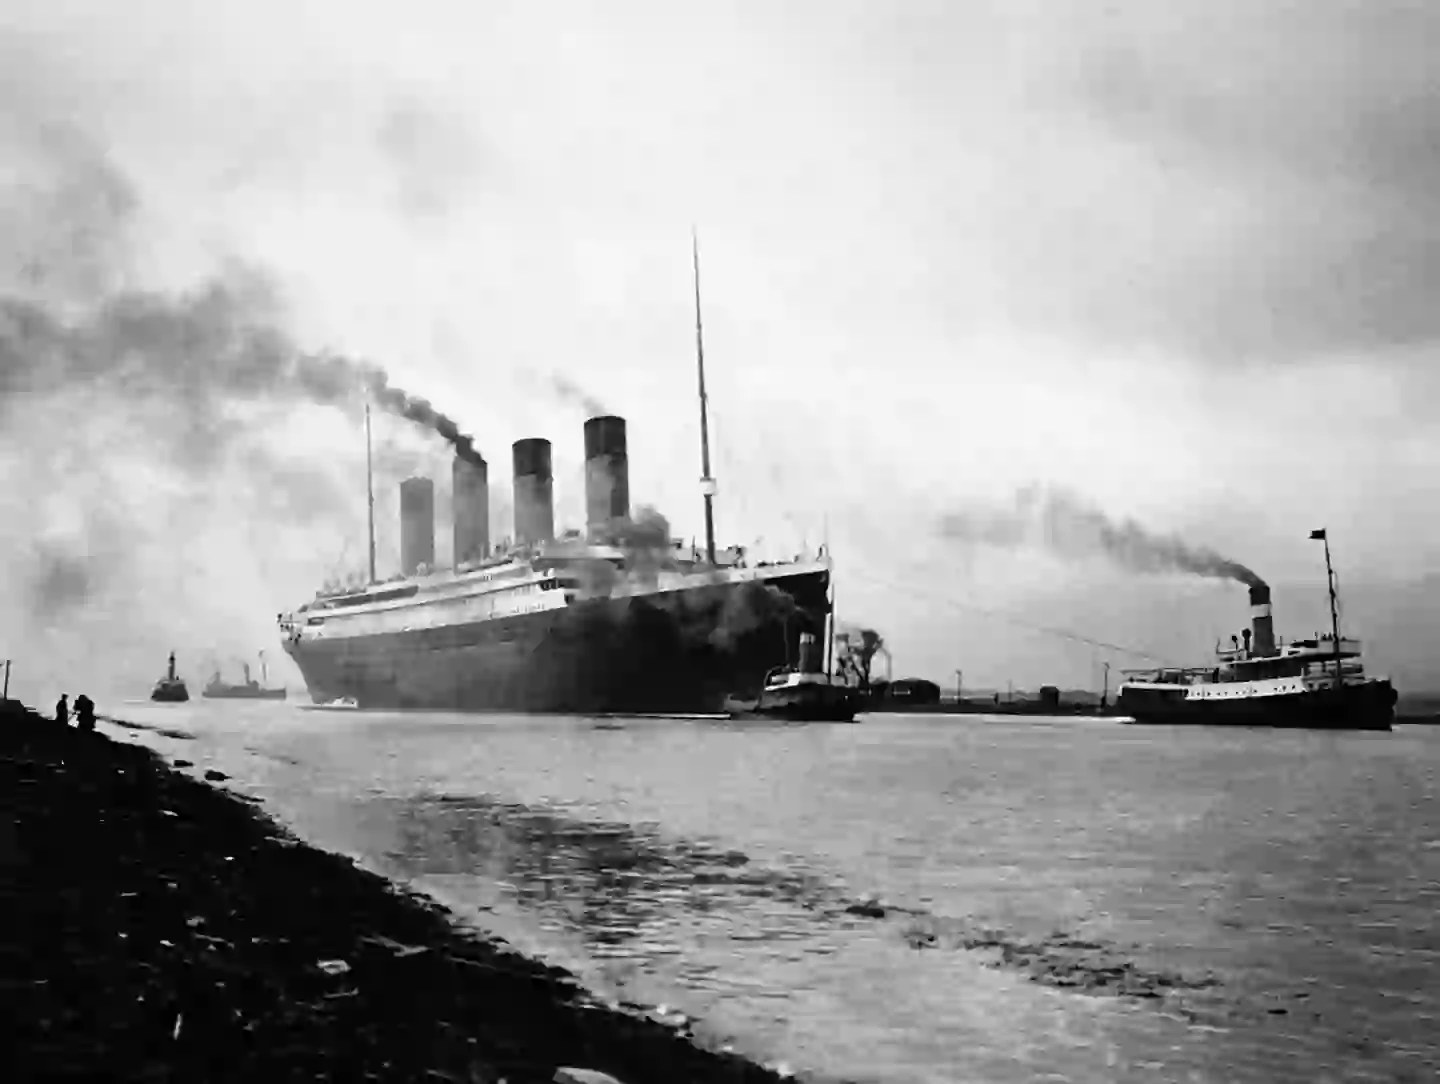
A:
{"x": 1286, "y": 162}
{"x": 1171, "y": 257}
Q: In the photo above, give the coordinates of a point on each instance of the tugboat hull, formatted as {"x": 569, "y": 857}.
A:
{"x": 1362, "y": 706}
{"x": 818, "y": 704}
{"x": 169, "y": 693}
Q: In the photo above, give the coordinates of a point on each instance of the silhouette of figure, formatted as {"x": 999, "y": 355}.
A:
{"x": 85, "y": 712}
{"x": 62, "y": 709}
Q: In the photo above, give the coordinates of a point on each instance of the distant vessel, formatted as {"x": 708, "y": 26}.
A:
{"x": 170, "y": 688}
{"x": 806, "y": 693}
{"x": 248, "y": 690}
{"x": 1316, "y": 683}
{"x": 618, "y": 621}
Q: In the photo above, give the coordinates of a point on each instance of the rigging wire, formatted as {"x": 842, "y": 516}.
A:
{"x": 1048, "y": 630}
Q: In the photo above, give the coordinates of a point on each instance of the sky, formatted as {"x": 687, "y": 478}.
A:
{"x": 1175, "y": 259}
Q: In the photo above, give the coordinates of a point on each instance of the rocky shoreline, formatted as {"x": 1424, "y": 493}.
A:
{"x": 157, "y": 928}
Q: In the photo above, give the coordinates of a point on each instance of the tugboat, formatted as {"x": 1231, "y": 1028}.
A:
{"x": 170, "y": 688}
{"x": 250, "y": 690}
{"x": 1317, "y": 683}
{"x": 800, "y": 694}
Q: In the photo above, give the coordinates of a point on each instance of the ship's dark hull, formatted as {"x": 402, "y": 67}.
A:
{"x": 1367, "y": 706}
{"x": 671, "y": 653}
{"x": 170, "y": 692}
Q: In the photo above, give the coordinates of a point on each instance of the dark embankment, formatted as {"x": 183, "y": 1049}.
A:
{"x": 157, "y": 928}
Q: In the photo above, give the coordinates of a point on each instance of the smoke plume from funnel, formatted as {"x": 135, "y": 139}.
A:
{"x": 1064, "y": 524}
{"x": 160, "y": 495}
{"x": 220, "y": 343}
{"x": 568, "y": 390}
{"x": 417, "y": 410}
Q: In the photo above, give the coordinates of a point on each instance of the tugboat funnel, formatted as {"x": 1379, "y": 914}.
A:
{"x": 1263, "y": 626}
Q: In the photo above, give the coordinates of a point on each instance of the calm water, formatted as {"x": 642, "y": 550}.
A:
{"x": 1069, "y": 901}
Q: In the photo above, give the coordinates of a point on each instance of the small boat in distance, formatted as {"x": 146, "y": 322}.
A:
{"x": 250, "y": 690}
{"x": 170, "y": 689}
{"x": 800, "y": 694}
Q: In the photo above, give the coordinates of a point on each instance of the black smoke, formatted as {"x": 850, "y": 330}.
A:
{"x": 167, "y": 479}
{"x": 571, "y": 392}
{"x": 202, "y": 349}
{"x": 1066, "y": 525}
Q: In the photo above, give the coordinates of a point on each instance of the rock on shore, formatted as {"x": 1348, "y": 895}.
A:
{"x": 155, "y": 928}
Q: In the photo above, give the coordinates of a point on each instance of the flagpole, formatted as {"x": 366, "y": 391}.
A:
{"x": 1324, "y": 535}
{"x": 1334, "y": 611}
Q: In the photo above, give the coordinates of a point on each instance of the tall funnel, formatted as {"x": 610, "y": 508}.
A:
{"x": 534, "y": 492}
{"x": 470, "y": 489}
{"x": 607, "y": 475}
{"x": 1263, "y": 644}
{"x": 417, "y": 524}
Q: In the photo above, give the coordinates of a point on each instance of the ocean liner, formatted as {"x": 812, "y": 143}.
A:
{"x": 1317, "y": 683}
{"x": 617, "y": 619}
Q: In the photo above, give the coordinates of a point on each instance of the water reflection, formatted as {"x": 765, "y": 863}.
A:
{"x": 629, "y": 891}
{"x": 1044, "y": 865}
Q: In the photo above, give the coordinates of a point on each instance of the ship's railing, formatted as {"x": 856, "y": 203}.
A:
{"x": 1171, "y": 675}
{"x": 1322, "y": 647}
{"x": 692, "y": 555}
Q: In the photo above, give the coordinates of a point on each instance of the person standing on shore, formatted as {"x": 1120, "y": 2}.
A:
{"x": 85, "y": 712}
{"x": 62, "y": 709}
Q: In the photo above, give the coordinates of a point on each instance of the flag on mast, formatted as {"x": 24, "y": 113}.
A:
{"x": 1319, "y": 535}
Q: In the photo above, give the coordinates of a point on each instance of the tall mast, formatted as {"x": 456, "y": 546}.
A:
{"x": 370, "y": 493}
{"x": 707, "y": 483}
{"x": 1334, "y": 608}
